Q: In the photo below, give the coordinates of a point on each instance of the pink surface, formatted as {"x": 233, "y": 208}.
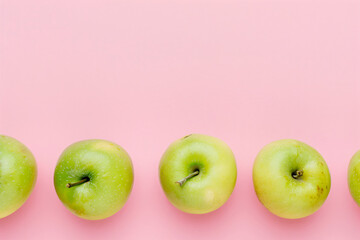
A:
{"x": 144, "y": 73}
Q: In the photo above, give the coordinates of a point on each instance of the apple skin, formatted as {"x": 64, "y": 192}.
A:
{"x": 279, "y": 191}
{"x": 18, "y": 173}
{"x": 110, "y": 172}
{"x": 354, "y": 177}
{"x": 212, "y": 187}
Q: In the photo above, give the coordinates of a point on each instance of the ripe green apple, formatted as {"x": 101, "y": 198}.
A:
{"x": 18, "y": 174}
{"x": 198, "y": 173}
{"x": 291, "y": 179}
{"x": 93, "y": 178}
{"x": 354, "y": 177}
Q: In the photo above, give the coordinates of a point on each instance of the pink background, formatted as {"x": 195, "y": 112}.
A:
{"x": 144, "y": 73}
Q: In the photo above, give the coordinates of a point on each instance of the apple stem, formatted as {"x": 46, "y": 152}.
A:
{"x": 84, "y": 180}
{"x": 182, "y": 181}
{"x": 297, "y": 174}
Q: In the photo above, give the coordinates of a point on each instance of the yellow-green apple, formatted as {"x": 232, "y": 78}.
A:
{"x": 354, "y": 177}
{"x": 93, "y": 178}
{"x": 18, "y": 174}
{"x": 291, "y": 179}
{"x": 198, "y": 173}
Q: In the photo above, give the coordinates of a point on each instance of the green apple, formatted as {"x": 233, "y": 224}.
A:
{"x": 291, "y": 179}
{"x": 354, "y": 177}
{"x": 93, "y": 178}
{"x": 18, "y": 174}
{"x": 198, "y": 173}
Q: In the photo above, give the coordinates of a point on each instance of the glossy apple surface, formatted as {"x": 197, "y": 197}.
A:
{"x": 354, "y": 177}
{"x": 215, "y": 164}
{"x": 17, "y": 175}
{"x": 291, "y": 179}
{"x": 93, "y": 178}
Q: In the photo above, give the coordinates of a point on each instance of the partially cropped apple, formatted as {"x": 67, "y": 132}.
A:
{"x": 198, "y": 173}
{"x": 93, "y": 178}
{"x": 354, "y": 177}
{"x": 291, "y": 179}
{"x": 17, "y": 175}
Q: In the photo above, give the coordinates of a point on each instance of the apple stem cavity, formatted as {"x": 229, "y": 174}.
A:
{"x": 297, "y": 174}
{"x": 84, "y": 180}
{"x": 182, "y": 181}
